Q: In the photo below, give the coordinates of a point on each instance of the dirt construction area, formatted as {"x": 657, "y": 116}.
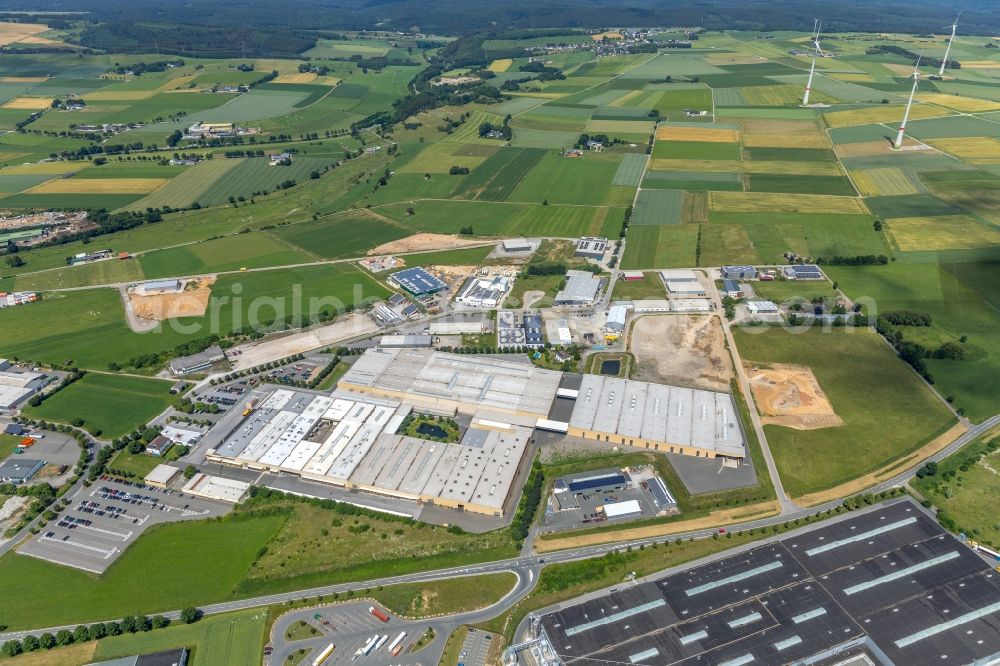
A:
{"x": 683, "y": 350}
{"x": 789, "y": 395}
{"x": 423, "y": 242}
{"x": 191, "y": 302}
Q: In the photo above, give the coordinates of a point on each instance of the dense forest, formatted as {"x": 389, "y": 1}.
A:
{"x": 257, "y": 27}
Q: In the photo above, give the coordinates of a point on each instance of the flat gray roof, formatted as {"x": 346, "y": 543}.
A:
{"x": 427, "y": 377}
{"x": 657, "y": 412}
{"x": 581, "y": 287}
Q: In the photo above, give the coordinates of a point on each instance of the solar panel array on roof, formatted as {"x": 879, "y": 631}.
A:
{"x": 889, "y": 582}
{"x": 417, "y": 281}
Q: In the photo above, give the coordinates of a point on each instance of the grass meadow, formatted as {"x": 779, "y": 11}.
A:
{"x": 109, "y": 405}
{"x": 869, "y": 387}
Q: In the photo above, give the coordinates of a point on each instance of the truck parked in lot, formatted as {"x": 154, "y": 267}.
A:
{"x": 378, "y": 613}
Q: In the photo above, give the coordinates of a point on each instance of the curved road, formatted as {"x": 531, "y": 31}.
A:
{"x": 528, "y": 566}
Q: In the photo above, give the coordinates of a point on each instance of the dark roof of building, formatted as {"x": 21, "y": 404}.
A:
{"x": 165, "y": 658}
{"x": 418, "y": 281}
{"x": 890, "y": 580}
{"x": 14, "y": 429}
{"x": 730, "y": 285}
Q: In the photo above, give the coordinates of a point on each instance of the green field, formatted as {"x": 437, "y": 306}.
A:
{"x": 583, "y": 181}
{"x": 630, "y": 170}
{"x": 661, "y": 246}
{"x": 696, "y": 150}
{"x": 111, "y": 405}
{"x": 251, "y": 250}
{"x": 52, "y": 594}
{"x": 190, "y": 186}
{"x": 347, "y": 235}
{"x": 229, "y": 638}
{"x": 658, "y": 207}
{"x": 88, "y": 327}
{"x": 836, "y": 185}
{"x": 868, "y": 387}
{"x": 961, "y": 302}
{"x": 964, "y": 490}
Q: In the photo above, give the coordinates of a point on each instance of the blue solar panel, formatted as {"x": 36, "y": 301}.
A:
{"x": 597, "y": 482}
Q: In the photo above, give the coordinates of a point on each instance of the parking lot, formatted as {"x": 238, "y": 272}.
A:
{"x": 475, "y": 649}
{"x": 101, "y": 521}
{"x": 350, "y": 627}
{"x": 569, "y": 507}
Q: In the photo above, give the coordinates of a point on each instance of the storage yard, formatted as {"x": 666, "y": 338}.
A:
{"x": 889, "y": 586}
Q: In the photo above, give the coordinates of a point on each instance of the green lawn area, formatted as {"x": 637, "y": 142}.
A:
{"x": 139, "y": 464}
{"x": 108, "y": 404}
{"x": 871, "y": 389}
{"x": 320, "y": 546}
{"x": 962, "y": 300}
{"x": 965, "y": 489}
{"x": 649, "y": 287}
{"x": 7, "y": 445}
{"x": 51, "y": 594}
{"x": 88, "y": 327}
{"x": 446, "y": 597}
{"x": 251, "y": 250}
{"x": 584, "y": 180}
{"x": 230, "y": 638}
{"x": 661, "y": 246}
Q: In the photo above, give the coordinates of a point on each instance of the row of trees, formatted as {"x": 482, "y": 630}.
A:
{"x": 130, "y": 624}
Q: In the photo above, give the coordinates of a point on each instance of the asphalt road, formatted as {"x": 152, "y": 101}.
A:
{"x": 352, "y": 624}
{"x": 529, "y": 566}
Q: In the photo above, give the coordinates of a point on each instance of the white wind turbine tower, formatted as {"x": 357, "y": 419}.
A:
{"x": 812, "y": 70}
{"x": 944, "y": 61}
{"x": 902, "y": 127}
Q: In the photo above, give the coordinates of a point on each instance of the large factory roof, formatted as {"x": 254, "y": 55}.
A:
{"x": 431, "y": 378}
{"x": 889, "y": 582}
{"x": 673, "y": 414}
{"x": 349, "y": 440}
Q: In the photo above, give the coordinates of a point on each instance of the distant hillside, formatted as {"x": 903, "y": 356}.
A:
{"x": 454, "y": 17}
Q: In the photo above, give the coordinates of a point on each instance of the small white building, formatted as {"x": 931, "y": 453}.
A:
{"x": 484, "y": 292}
{"x": 756, "y": 308}
{"x": 616, "y": 318}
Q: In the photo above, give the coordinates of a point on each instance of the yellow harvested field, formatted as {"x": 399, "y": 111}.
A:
{"x": 114, "y": 95}
{"x": 866, "y": 148}
{"x": 610, "y": 34}
{"x": 884, "y": 113}
{"x": 7, "y": 157}
{"x": 501, "y": 65}
{"x": 176, "y": 83}
{"x": 764, "y": 166}
{"x": 783, "y": 134}
{"x": 943, "y": 232}
{"x": 44, "y": 168}
{"x": 888, "y": 181}
{"x": 298, "y": 77}
{"x": 959, "y": 103}
{"x": 626, "y": 98}
{"x": 980, "y": 64}
{"x": 98, "y": 186}
{"x": 780, "y": 95}
{"x": 897, "y": 68}
{"x": 974, "y": 149}
{"x": 620, "y": 126}
{"x": 712, "y": 134}
{"x": 29, "y": 103}
{"x": 24, "y": 79}
{"x": 16, "y": 32}
{"x": 770, "y": 202}
{"x": 38, "y": 40}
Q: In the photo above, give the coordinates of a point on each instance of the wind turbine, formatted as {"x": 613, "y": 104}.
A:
{"x": 817, "y": 25}
{"x": 913, "y": 91}
{"x": 944, "y": 61}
